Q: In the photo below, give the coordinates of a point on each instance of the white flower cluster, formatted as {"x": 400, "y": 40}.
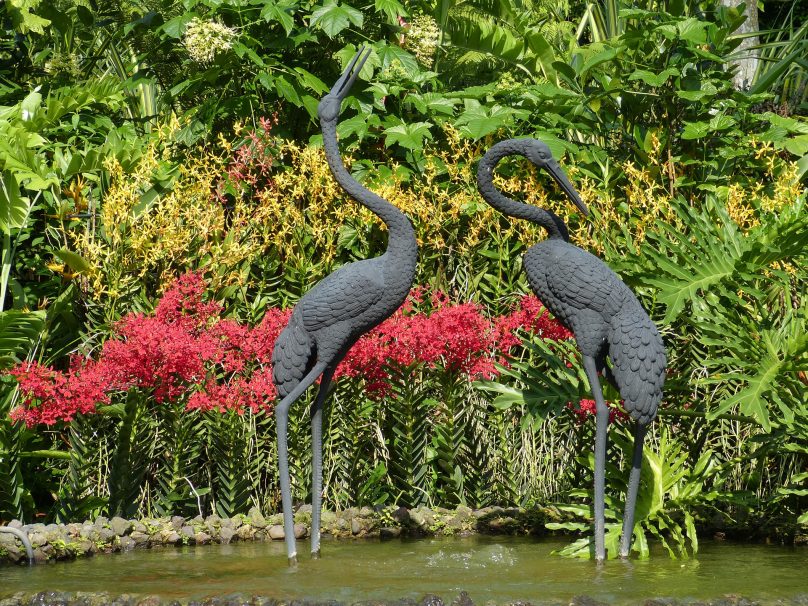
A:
{"x": 205, "y": 39}
{"x": 422, "y": 39}
{"x": 63, "y": 63}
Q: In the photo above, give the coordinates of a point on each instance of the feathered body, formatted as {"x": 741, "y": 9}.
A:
{"x": 604, "y": 315}
{"x": 333, "y": 315}
{"x": 593, "y": 302}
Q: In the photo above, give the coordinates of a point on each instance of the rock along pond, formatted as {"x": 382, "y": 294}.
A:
{"x": 498, "y": 569}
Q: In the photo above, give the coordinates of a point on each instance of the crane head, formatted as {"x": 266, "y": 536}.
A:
{"x": 539, "y": 154}
{"x": 329, "y": 106}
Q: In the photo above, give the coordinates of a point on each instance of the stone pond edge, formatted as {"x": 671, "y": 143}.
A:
{"x": 52, "y": 542}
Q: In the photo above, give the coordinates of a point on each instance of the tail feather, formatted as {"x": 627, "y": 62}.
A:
{"x": 638, "y": 363}
{"x": 292, "y": 357}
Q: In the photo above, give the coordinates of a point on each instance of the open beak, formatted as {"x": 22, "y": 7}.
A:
{"x": 558, "y": 175}
{"x": 348, "y": 77}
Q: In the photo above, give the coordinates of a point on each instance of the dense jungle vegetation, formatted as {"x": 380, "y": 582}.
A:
{"x": 165, "y": 200}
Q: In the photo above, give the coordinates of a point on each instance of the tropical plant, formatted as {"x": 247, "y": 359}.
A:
{"x": 670, "y": 495}
{"x": 521, "y": 35}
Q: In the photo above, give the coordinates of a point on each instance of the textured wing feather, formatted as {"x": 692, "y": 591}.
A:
{"x": 580, "y": 280}
{"x": 638, "y": 362}
{"x": 325, "y": 320}
{"x": 345, "y": 295}
{"x": 292, "y": 357}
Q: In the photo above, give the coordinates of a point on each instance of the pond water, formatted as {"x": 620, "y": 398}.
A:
{"x": 501, "y": 569}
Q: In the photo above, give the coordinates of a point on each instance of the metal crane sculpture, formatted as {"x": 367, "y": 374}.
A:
{"x": 604, "y": 315}
{"x": 332, "y": 316}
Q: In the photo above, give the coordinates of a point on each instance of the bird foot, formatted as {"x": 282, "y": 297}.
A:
{"x": 293, "y": 560}
{"x": 315, "y": 555}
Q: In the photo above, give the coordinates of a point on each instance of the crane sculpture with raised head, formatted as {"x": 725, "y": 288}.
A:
{"x": 332, "y": 316}
{"x": 604, "y": 315}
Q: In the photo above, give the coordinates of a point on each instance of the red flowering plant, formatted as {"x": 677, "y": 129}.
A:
{"x": 168, "y": 356}
{"x": 459, "y": 340}
{"x": 185, "y": 353}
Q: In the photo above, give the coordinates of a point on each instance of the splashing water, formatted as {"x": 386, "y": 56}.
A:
{"x": 491, "y": 556}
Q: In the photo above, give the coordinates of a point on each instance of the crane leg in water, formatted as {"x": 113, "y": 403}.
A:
{"x": 633, "y": 486}
{"x": 282, "y": 422}
{"x": 601, "y": 431}
{"x": 317, "y": 463}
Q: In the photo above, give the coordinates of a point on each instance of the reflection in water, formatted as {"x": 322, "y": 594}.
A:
{"x": 501, "y": 569}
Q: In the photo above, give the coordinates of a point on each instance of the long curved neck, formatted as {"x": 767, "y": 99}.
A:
{"x": 513, "y": 208}
{"x": 401, "y": 232}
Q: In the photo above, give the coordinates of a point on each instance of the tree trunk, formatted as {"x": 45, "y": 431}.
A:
{"x": 747, "y": 60}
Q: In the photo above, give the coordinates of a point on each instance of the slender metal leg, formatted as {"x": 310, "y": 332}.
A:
{"x": 317, "y": 460}
{"x": 633, "y": 486}
{"x": 601, "y": 429}
{"x": 282, "y": 423}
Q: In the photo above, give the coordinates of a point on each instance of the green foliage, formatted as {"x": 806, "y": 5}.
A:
{"x": 79, "y": 497}
{"x": 12, "y": 493}
{"x": 670, "y": 492}
{"x": 130, "y": 457}
{"x": 19, "y": 331}
{"x": 179, "y": 482}
{"x": 547, "y": 383}
{"x": 231, "y": 469}
{"x": 407, "y": 428}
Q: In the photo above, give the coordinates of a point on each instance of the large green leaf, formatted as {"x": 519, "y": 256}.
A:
{"x": 652, "y": 79}
{"x": 24, "y": 19}
{"x": 19, "y": 331}
{"x": 410, "y": 136}
{"x": 760, "y": 364}
{"x": 73, "y": 260}
{"x": 332, "y": 17}
{"x": 280, "y": 12}
{"x": 392, "y": 9}
{"x": 14, "y": 208}
{"x": 548, "y": 384}
{"x": 687, "y": 268}
{"x": 478, "y": 121}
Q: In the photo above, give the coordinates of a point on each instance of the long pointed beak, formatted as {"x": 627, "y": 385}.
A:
{"x": 348, "y": 77}
{"x": 558, "y": 175}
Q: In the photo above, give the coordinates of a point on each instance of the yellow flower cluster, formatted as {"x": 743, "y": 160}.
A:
{"x": 145, "y": 234}
{"x": 303, "y": 218}
{"x": 647, "y": 195}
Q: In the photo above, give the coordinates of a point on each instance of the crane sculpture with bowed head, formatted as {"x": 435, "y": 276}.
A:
{"x": 604, "y": 315}
{"x": 332, "y": 316}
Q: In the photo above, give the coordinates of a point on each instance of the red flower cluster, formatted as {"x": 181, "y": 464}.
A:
{"x": 61, "y": 395}
{"x": 184, "y": 345}
{"x": 587, "y": 408}
{"x": 458, "y": 338}
{"x": 186, "y": 352}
